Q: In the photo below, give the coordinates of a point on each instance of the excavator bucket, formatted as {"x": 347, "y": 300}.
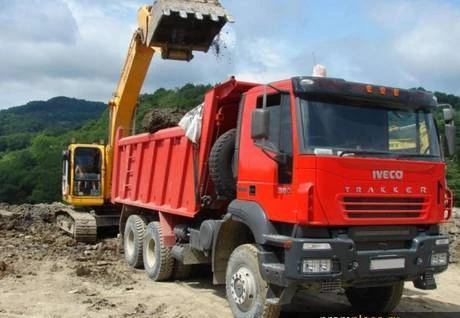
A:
{"x": 180, "y": 27}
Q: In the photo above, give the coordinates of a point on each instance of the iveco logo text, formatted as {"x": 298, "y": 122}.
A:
{"x": 387, "y": 174}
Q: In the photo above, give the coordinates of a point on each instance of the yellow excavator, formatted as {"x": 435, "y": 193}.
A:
{"x": 174, "y": 28}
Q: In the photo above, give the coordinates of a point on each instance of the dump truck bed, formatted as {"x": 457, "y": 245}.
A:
{"x": 165, "y": 171}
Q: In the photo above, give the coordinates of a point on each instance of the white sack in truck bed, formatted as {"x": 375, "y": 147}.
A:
{"x": 191, "y": 123}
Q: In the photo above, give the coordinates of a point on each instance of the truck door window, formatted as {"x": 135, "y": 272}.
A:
{"x": 280, "y": 132}
{"x": 408, "y": 132}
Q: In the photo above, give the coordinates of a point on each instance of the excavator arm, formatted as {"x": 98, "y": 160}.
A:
{"x": 174, "y": 28}
{"x": 123, "y": 103}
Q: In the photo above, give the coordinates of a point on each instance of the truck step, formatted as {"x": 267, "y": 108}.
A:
{"x": 331, "y": 286}
{"x": 425, "y": 281}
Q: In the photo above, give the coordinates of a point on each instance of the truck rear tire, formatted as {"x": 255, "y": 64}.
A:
{"x": 133, "y": 239}
{"x": 158, "y": 262}
{"x": 221, "y": 162}
{"x": 375, "y": 299}
{"x": 246, "y": 289}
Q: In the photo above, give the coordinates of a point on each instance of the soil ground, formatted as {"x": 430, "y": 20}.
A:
{"x": 44, "y": 273}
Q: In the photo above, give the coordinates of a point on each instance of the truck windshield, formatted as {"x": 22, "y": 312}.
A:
{"x": 333, "y": 128}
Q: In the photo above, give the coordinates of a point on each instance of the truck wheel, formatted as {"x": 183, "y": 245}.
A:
{"x": 245, "y": 287}
{"x": 181, "y": 271}
{"x": 133, "y": 239}
{"x": 375, "y": 299}
{"x": 221, "y": 162}
{"x": 158, "y": 262}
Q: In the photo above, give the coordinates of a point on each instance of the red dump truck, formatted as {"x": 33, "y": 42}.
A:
{"x": 310, "y": 183}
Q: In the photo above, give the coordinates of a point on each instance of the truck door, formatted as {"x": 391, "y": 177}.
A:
{"x": 265, "y": 167}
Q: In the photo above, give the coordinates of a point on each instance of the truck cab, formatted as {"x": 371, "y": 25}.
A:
{"x": 343, "y": 185}
{"x": 364, "y": 158}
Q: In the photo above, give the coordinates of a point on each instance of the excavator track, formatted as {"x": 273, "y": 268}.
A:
{"x": 81, "y": 225}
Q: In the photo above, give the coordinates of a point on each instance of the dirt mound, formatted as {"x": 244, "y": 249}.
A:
{"x": 26, "y": 217}
{"x": 29, "y": 234}
{"x": 157, "y": 119}
{"x": 452, "y": 228}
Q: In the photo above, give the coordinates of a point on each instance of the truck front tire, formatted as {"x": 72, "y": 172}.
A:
{"x": 133, "y": 240}
{"x": 375, "y": 299}
{"x": 246, "y": 289}
{"x": 158, "y": 262}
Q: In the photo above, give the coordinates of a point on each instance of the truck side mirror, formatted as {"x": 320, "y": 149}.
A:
{"x": 450, "y": 138}
{"x": 449, "y": 115}
{"x": 260, "y": 119}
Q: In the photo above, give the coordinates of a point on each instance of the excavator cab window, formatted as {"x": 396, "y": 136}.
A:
{"x": 87, "y": 172}
{"x": 65, "y": 172}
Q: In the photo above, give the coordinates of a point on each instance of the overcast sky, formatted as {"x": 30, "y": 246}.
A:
{"x": 76, "y": 48}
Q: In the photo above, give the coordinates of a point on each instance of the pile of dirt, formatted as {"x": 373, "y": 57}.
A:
{"x": 26, "y": 217}
{"x": 29, "y": 234}
{"x": 452, "y": 228}
{"x": 157, "y": 119}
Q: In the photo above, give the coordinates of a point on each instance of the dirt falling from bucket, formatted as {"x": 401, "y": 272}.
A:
{"x": 220, "y": 49}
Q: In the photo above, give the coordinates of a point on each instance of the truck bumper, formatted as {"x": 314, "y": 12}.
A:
{"x": 350, "y": 266}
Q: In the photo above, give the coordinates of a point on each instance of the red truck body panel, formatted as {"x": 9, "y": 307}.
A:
{"x": 156, "y": 171}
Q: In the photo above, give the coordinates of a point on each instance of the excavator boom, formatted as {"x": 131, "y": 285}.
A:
{"x": 174, "y": 28}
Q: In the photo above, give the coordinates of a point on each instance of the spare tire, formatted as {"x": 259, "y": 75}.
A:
{"x": 221, "y": 164}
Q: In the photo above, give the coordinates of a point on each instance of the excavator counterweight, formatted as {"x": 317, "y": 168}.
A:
{"x": 180, "y": 27}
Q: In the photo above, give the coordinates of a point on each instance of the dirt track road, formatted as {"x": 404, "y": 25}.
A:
{"x": 44, "y": 273}
{"x": 54, "y": 290}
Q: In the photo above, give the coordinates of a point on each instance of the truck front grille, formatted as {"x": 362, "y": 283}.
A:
{"x": 359, "y": 207}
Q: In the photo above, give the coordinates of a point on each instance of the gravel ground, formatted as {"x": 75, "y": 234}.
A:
{"x": 44, "y": 273}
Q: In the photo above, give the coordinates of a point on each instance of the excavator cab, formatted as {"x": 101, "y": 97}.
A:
{"x": 83, "y": 175}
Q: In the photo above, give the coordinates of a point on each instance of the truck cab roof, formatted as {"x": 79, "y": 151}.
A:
{"x": 327, "y": 87}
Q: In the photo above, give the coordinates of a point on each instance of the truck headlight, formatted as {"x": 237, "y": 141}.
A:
{"x": 316, "y": 266}
{"x": 438, "y": 259}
